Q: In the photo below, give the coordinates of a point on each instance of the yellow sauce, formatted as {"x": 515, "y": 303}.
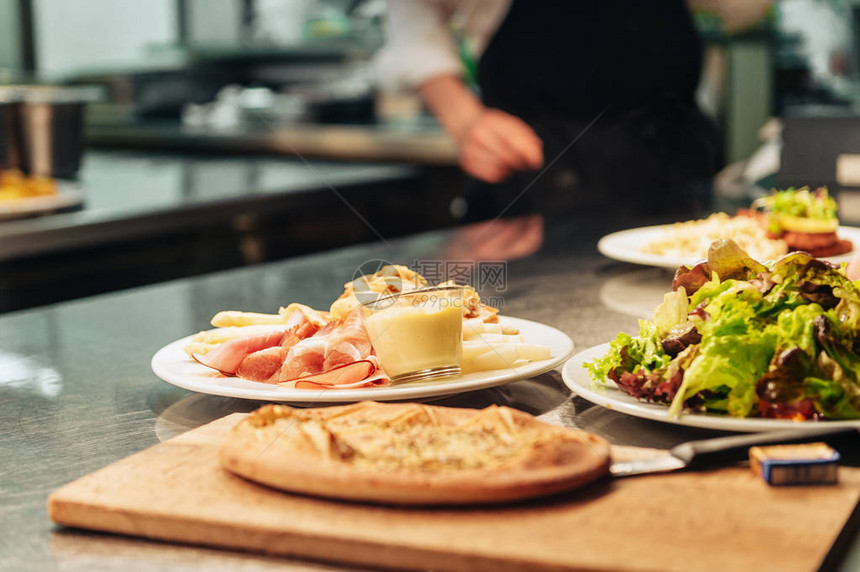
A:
{"x": 413, "y": 336}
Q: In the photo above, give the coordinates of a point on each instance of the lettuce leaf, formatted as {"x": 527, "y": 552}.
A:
{"x": 630, "y": 353}
{"x": 729, "y": 260}
{"x": 832, "y": 399}
{"x": 796, "y": 328}
{"x": 838, "y": 340}
{"x": 671, "y": 312}
{"x": 735, "y": 361}
{"x": 735, "y": 350}
{"x": 725, "y": 260}
{"x": 711, "y": 290}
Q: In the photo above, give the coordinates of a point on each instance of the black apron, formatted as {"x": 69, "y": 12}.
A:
{"x": 559, "y": 64}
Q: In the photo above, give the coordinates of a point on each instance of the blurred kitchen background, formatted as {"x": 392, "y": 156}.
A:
{"x": 221, "y": 133}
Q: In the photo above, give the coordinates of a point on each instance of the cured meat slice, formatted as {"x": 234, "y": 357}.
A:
{"x": 333, "y": 346}
{"x": 306, "y": 357}
{"x": 264, "y": 365}
{"x": 258, "y": 357}
{"x": 303, "y": 355}
{"x": 228, "y": 357}
{"x": 352, "y": 375}
{"x": 261, "y": 365}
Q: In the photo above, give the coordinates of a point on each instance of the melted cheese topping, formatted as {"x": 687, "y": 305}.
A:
{"x": 412, "y": 440}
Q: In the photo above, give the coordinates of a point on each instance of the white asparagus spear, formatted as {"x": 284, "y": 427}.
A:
{"x": 229, "y": 318}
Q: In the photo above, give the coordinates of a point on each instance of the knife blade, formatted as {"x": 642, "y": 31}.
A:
{"x": 721, "y": 451}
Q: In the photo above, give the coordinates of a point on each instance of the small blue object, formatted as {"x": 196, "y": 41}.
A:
{"x": 810, "y": 464}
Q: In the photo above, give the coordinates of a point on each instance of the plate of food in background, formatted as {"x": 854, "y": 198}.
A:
{"x": 389, "y": 336}
{"x": 782, "y": 222}
{"x": 737, "y": 345}
{"x": 22, "y": 195}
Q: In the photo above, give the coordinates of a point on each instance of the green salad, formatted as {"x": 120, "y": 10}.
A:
{"x": 746, "y": 339}
{"x": 799, "y": 210}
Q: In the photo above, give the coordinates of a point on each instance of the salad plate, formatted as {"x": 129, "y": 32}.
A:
{"x": 627, "y": 245}
{"x": 607, "y": 395}
{"x": 173, "y": 365}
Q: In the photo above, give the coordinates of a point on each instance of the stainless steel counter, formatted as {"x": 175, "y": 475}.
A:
{"x": 76, "y": 391}
{"x": 149, "y": 217}
{"x": 134, "y": 194}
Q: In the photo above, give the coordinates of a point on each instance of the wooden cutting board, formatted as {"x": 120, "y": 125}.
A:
{"x": 720, "y": 520}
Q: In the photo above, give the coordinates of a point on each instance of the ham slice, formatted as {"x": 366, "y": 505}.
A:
{"x": 258, "y": 357}
{"x": 363, "y": 373}
{"x": 340, "y": 355}
{"x": 303, "y": 355}
{"x": 229, "y": 356}
{"x": 261, "y": 365}
{"x": 265, "y": 364}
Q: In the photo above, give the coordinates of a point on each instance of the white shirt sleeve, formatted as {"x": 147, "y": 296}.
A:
{"x": 420, "y": 44}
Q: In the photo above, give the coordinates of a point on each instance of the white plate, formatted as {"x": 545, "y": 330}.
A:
{"x": 627, "y": 245}
{"x": 172, "y": 365}
{"x": 609, "y": 396}
{"x": 67, "y": 195}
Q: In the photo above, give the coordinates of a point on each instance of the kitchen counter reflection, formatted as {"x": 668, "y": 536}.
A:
{"x": 105, "y": 404}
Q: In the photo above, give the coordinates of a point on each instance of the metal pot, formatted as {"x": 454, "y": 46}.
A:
{"x": 10, "y": 103}
{"x": 44, "y": 129}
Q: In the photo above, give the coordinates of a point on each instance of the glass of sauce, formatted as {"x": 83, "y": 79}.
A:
{"x": 417, "y": 335}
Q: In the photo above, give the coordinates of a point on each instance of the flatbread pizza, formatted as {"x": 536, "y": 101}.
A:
{"x": 412, "y": 454}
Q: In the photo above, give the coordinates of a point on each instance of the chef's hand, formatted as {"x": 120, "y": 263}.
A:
{"x": 496, "y": 144}
{"x": 491, "y": 143}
